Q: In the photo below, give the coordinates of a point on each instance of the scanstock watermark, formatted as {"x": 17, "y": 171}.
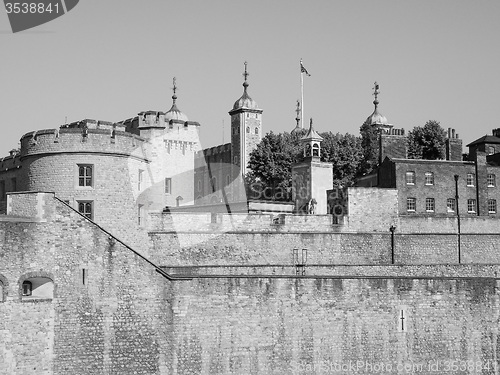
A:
{"x": 27, "y": 14}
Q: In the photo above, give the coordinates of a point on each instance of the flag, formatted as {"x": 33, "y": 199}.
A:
{"x": 303, "y": 70}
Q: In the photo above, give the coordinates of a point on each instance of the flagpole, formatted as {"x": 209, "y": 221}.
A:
{"x": 301, "y": 96}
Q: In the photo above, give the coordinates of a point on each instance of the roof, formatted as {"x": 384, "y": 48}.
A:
{"x": 485, "y": 139}
{"x": 175, "y": 114}
{"x": 312, "y": 134}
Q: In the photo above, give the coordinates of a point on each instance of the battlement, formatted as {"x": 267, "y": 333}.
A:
{"x": 13, "y": 161}
{"x": 155, "y": 119}
{"x": 82, "y": 136}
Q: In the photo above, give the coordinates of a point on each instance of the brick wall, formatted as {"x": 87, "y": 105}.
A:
{"x": 127, "y": 319}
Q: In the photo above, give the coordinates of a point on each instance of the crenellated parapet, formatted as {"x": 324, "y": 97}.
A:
{"x": 11, "y": 162}
{"x": 86, "y": 136}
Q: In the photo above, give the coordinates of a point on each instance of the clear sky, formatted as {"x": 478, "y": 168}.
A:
{"x": 110, "y": 59}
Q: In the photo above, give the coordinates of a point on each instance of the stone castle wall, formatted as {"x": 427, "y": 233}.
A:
{"x": 334, "y": 325}
{"x": 242, "y": 309}
{"x": 108, "y": 322}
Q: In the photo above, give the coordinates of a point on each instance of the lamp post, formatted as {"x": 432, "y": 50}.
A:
{"x": 458, "y": 216}
{"x": 392, "y": 229}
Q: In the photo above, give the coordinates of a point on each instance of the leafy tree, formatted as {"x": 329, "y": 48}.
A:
{"x": 370, "y": 148}
{"x": 346, "y": 154}
{"x": 427, "y": 142}
{"x": 271, "y": 164}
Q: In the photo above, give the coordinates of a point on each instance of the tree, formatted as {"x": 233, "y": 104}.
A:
{"x": 427, "y": 142}
{"x": 270, "y": 164}
{"x": 345, "y": 153}
{"x": 370, "y": 148}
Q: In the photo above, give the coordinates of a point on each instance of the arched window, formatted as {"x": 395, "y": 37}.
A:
{"x": 248, "y": 129}
{"x": 315, "y": 149}
{"x": 256, "y": 130}
{"x": 37, "y": 288}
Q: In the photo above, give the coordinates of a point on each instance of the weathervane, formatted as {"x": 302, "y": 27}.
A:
{"x": 245, "y": 74}
{"x": 376, "y": 92}
{"x": 298, "y": 113}
{"x": 174, "y": 97}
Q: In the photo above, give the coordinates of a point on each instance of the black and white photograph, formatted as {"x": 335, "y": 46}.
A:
{"x": 266, "y": 187}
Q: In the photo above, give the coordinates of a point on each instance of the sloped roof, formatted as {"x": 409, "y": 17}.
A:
{"x": 485, "y": 139}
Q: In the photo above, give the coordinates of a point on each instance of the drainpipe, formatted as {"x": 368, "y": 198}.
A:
{"x": 458, "y": 217}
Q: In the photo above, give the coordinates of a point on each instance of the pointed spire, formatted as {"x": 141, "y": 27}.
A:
{"x": 311, "y": 133}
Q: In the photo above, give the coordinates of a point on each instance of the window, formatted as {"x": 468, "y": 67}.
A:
{"x": 429, "y": 204}
{"x": 429, "y": 178}
{"x": 257, "y": 131}
{"x": 411, "y": 204}
{"x": 491, "y": 150}
{"x": 315, "y": 149}
{"x": 2, "y": 191}
{"x": 492, "y": 206}
{"x": 450, "y": 204}
{"x": 471, "y": 205}
{"x": 139, "y": 179}
{"x": 248, "y": 129}
{"x": 37, "y": 288}
{"x": 235, "y": 159}
{"x": 410, "y": 178}
{"x": 86, "y": 209}
{"x": 491, "y": 180}
{"x": 168, "y": 185}
{"x": 199, "y": 185}
{"x": 140, "y": 214}
{"x": 85, "y": 175}
{"x": 27, "y": 288}
{"x": 84, "y": 276}
{"x": 470, "y": 179}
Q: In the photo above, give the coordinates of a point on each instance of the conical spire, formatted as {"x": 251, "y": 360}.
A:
{"x": 312, "y": 134}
